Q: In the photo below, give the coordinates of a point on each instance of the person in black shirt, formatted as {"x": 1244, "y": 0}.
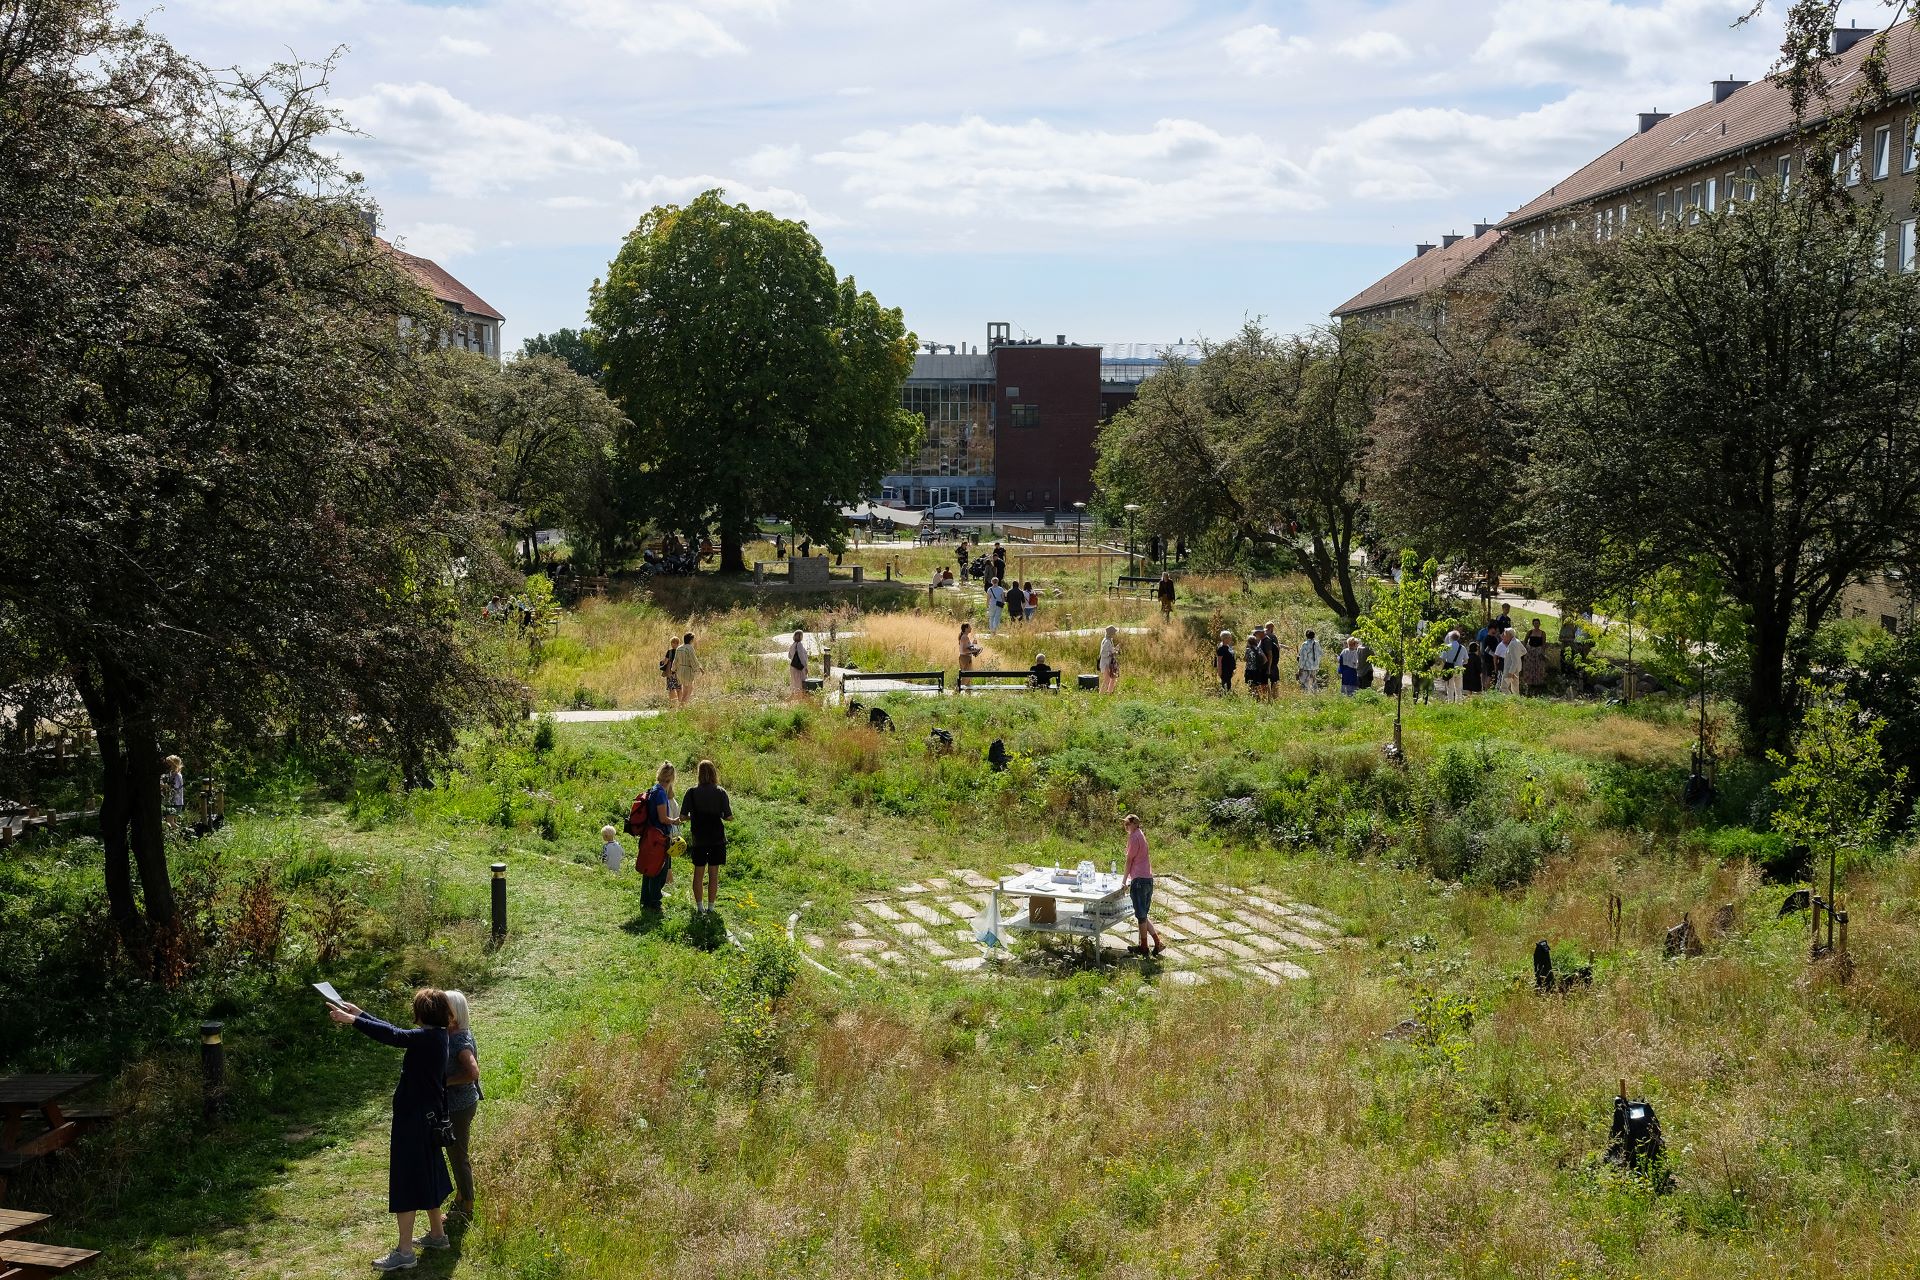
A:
{"x": 1224, "y": 661}
{"x": 707, "y": 810}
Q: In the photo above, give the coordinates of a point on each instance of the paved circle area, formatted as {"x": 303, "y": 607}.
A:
{"x": 1212, "y": 932}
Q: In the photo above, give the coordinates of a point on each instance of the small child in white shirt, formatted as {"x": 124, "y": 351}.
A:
{"x": 612, "y": 852}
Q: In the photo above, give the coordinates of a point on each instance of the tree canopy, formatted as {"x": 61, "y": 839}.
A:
{"x": 229, "y": 505}
{"x": 755, "y": 381}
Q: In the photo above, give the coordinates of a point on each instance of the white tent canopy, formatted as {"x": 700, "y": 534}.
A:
{"x": 868, "y": 511}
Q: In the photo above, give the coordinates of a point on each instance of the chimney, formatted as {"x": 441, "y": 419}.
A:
{"x": 1844, "y": 38}
{"x": 1422, "y": 250}
{"x": 1648, "y": 119}
{"x": 1481, "y": 228}
{"x": 1059, "y": 339}
{"x": 1724, "y": 89}
{"x": 1449, "y": 240}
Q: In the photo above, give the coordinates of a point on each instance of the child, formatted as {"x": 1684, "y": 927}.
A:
{"x": 1139, "y": 884}
{"x": 173, "y": 786}
{"x": 612, "y": 852}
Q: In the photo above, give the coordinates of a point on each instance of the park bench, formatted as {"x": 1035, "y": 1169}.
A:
{"x": 894, "y": 681}
{"x": 1514, "y": 585}
{"x": 1005, "y": 680}
{"x": 1144, "y": 586}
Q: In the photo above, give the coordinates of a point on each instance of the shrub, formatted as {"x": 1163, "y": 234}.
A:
{"x": 543, "y": 735}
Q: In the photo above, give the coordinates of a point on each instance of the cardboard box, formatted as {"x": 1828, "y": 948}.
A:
{"x": 1042, "y": 910}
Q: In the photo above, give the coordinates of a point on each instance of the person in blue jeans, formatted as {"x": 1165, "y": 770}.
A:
{"x": 659, "y": 811}
{"x": 1139, "y": 883}
{"x": 417, "y": 1175}
{"x": 463, "y": 1100}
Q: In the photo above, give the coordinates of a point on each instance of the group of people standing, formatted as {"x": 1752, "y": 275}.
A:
{"x": 655, "y": 821}
{"x": 681, "y": 668}
{"x": 1259, "y": 662}
{"x": 1493, "y": 660}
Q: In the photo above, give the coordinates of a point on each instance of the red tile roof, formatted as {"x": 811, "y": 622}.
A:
{"x": 1760, "y": 113}
{"x": 1422, "y": 273}
{"x": 441, "y": 283}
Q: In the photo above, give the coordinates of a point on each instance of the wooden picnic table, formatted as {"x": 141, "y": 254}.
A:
{"x": 43, "y": 1093}
{"x": 15, "y": 1222}
{"x": 30, "y": 1261}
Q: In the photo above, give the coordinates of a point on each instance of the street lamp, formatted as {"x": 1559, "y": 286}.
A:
{"x": 1132, "y": 509}
{"x": 1079, "y": 516}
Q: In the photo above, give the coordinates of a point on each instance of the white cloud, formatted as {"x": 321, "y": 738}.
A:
{"x": 1033, "y": 41}
{"x": 1262, "y": 50}
{"x": 703, "y": 28}
{"x": 661, "y": 189}
{"x": 441, "y": 241}
{"x": 770, "y": 161}
{"x": 1597, "y": 41}
{"x": 465, "y": 47}
{"x": 572, "y": 202}
{"x": 277, "y": 14}
{"x": 1175, "y": 173}
{"x": 1382, "y": 47}
{"x": 465, "y": 151}
{"x": 1418, "y": 153}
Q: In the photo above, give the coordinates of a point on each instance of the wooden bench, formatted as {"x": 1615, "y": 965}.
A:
{"x": 924, "y": 681}
{"x": 17, "y": 1222}
{"x": 1512, "y": 585}
{"x": 32, "y": 1261}
{"x": 1135, "y": 584}
{"x": 1006, "y": 680}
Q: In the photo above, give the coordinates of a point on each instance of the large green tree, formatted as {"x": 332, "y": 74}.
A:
{"x": 1263, "y": 442}
{"x": 1740, "y": 393}
{"x": 755, "y": 380}
{"x": 574, "y": 346}
{"x": 229, "y": 507}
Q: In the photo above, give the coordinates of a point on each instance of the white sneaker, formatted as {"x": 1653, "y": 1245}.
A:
{"x": 396, "y": 1261}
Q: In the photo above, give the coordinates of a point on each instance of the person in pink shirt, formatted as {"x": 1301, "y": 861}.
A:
{"x": 1139, "y": 884}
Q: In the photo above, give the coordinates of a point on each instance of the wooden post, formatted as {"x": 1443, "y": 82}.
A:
{"x": 499, "y": 900}
{"x": 213, "y": 1070}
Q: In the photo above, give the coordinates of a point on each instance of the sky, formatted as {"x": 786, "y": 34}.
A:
{"x": 1121, "y": 171}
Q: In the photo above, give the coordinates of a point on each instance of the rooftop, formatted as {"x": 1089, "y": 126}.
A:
{"x": 440, "y": 282}
{"x": 1422, "y": 272}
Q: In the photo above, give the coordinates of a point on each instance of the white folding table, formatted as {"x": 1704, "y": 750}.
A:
{"x": 1081, "y": 911}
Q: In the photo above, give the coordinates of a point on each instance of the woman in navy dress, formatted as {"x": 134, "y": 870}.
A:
{"x": 417, "y": 1176}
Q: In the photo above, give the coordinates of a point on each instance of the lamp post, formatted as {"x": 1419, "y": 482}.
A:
{"x": 1079, "y": 517}
{"x": 1133, "y": 509}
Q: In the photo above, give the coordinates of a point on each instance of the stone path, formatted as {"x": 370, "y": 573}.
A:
{"x": 1212, "y": 932}
{"x": 598, "y": 715}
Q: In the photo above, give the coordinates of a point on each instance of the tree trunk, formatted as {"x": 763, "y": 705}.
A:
{"x": 145, "y": 821}
{"x": 1766, "y": 703}
{"x": 732, "y": 557}
{"x": 114, "y": 797}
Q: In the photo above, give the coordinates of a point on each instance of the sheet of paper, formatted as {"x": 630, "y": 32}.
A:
{"x": 327, "y": 993}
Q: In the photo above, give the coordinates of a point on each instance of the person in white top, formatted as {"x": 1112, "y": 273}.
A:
{"x": 1453, "y": 659}
{"x": 996, "y": 601}
{"x": 1308, "y": 669}
{"x": 1110, "y": 660}
{"x": 1508, "y": 654}
{"x": 1350, "y": 666}
{"x": 797, "y": 664}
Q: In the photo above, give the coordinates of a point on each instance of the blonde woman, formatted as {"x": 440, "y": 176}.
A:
{"x": 797, "y": 664}
{"x": 173, "y": 786}
{"x": 969, "y": 647}
{"x": 463, "y": 1098}
{"x": 708, "y": 809}
{"x": 1110, "y": 660}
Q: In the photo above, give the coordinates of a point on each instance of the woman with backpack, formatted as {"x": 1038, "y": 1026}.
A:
{"x": 652, "y": 821}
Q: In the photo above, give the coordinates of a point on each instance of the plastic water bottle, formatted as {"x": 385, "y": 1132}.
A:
{"x": 1087, "y": 872}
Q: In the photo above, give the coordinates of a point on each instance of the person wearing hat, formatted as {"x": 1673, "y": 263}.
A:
{"x": 1224, "y": 661}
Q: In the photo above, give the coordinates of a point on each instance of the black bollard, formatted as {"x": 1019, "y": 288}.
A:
{"x": 213, "y": 1070}
{"x": 499, "y": 900}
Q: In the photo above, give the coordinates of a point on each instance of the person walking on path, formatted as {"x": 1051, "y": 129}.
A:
{"x": 1224, "y": 661}
{"x": 1030, "y": 601}
{"x": 417, "y": 1175}
{"x": 1016, "y": 602}
{"x": 1165, "y": 593}
{"x": 969, "y": 647}
{"x": 1350, "y": 666}
{"x": 1138, "y": 882}
{"x": 797, "y": 665}
{"x": 687, "y": 667}
{"x": 1308, "y": 669}
{"x": 463, "y": 1099}
{"x": 1109, "y": 661}
{"x": 996, "y": 602}
{"x": 708, "y": 809}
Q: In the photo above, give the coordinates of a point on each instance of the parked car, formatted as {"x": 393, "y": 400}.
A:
{"x": 946, "y": 511}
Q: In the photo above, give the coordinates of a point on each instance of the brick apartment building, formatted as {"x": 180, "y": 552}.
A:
{"x": 1711, "y": 155}
{"x": 1012, "y": 429}
{"x": 472, "y": 323}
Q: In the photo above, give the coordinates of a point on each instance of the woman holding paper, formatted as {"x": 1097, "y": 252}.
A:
{"x": 417, "y": 1175}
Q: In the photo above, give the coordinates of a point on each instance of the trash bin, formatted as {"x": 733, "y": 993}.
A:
{"x": 1088, "y": 681}
{"x": 1050, "y": 516}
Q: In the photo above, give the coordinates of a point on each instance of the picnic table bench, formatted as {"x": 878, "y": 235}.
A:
{"x": 54, "y": 1124}
{"x": 1007, "y": 680}
{"x": 25, "y": 1260}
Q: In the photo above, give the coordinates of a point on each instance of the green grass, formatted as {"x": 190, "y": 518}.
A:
{"x": 658, "y": 1108}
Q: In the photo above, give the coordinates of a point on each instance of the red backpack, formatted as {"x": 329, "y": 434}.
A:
{"x": 637, "y": 815}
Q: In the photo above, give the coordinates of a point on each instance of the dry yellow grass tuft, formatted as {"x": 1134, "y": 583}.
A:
{"x": 1627, "y": 739}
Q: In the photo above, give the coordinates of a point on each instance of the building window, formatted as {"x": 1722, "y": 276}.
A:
{"x": 1907, "y": 245}
{"x": 1783, "y": 167}
{"x": 1882, "y": 151}
{"x": 1846, "y": 164}
{"x": 1880, "y": 252}
{"x": 1912, "y": 159}
{"x": 1713, "y": 194}
{"x": 1026, "y": 415}
{"x": 1660, "y": 208}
